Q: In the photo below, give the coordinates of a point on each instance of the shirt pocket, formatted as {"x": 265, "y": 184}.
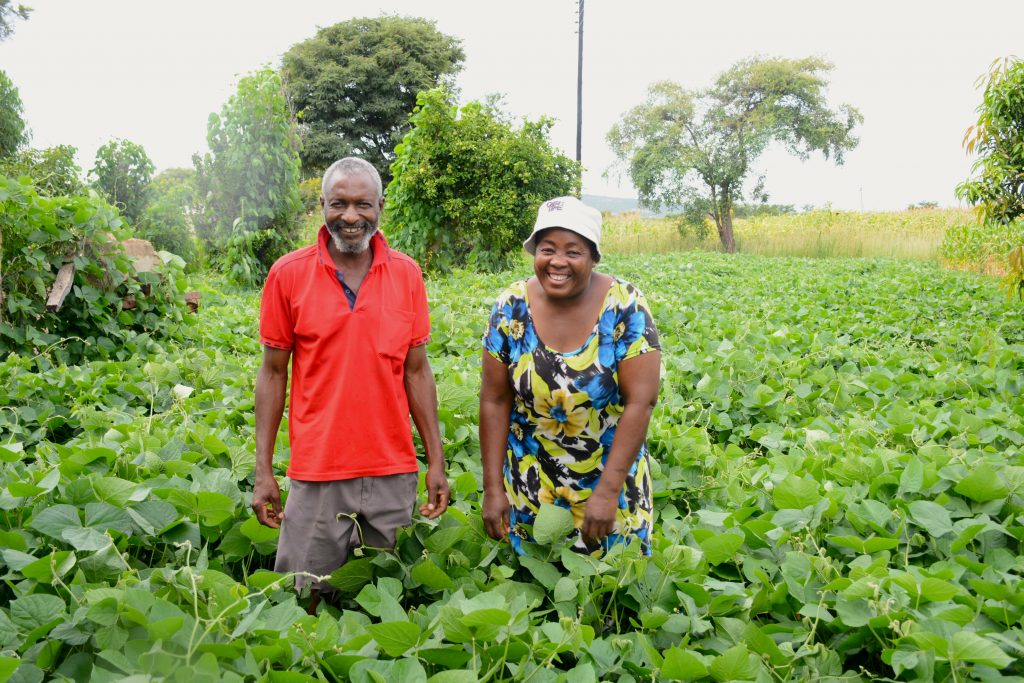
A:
{"x": 394, "y": 333}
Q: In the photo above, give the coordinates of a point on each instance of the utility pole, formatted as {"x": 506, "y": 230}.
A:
{"x": 579, "y": 88}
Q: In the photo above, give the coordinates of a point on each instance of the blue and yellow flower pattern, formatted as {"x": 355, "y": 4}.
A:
{"x": 566, "y": 409}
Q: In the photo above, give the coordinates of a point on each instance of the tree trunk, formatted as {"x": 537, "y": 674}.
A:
{"x": 725, "y": 231}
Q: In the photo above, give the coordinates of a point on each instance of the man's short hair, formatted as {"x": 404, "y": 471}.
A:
{"x": 351, "y": 166}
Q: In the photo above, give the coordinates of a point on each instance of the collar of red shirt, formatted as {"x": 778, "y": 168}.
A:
{"x": 381, "y": 250}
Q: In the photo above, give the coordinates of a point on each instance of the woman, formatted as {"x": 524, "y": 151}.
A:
{"x": 570, "y": 376}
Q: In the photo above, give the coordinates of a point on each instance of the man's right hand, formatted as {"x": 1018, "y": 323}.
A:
{"x": 495, "y": 514}
{"x": 266, "y": 502}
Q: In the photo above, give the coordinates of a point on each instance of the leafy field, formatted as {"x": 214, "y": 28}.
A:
{"x": 839, "y": 464}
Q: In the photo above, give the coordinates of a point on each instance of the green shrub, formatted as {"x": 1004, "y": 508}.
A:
{"x": 40, "y": 234}
{"x": 122, "y": 174}
{"x": 467, "y": 183}
{"x": 52, "y": 171}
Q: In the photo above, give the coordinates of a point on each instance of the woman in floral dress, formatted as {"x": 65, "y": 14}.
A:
{"x": 570, "y": 376}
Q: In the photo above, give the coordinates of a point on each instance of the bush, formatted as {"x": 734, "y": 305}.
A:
{"x": 309, "y": 191}
{"x": 52, "y": 171}
{"x": 467, "y": 183}
{"x": 39, "y": 235}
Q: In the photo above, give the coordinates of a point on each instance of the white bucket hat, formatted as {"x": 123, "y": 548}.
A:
{"x": 567, "y": 213}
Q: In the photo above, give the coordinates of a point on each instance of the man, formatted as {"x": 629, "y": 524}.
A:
{"x": 351, "y": 313}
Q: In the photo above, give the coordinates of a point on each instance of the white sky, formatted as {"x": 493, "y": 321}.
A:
{"x": 152, "y": 72}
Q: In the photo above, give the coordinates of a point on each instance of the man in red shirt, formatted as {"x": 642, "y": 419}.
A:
{"x": 351, "y": 314}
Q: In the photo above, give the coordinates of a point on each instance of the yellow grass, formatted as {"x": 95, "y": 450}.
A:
{"x": 913, "y": 234}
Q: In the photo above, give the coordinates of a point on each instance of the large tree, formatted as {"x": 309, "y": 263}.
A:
{"x": 8, "y": 13}
{"x": 248, "y": 183}
{"x": 13, "y": 132}
{"x": 697, "y": 148}
{"x": 122, "y": 173}
{"x": 468, "y": 182}
{"x": 354, "y": 84}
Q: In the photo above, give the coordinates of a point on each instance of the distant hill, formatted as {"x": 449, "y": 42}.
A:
{"x": 615, "y": 205}
{"x": 611, "y": 204}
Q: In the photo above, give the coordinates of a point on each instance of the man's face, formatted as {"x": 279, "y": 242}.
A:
{"x": 351, "y": 212}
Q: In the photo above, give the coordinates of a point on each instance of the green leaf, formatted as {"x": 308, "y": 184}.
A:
{"x": 912, "y": 476}
{"x": 552, "y": 525}
{"x": 33, "y": 611}
{"x": 454, "y": 676}
{"x": 428, "y": 574}
{"x": 565, "y": 589}
{"x": 544, "y": 572}
{"x": 682, "y": 665}
{"x": 971, "y": 647}
{"x": 350, "y": 577}
{"x": 721, "y": 547}
{"x": 932, "y": 517}
{"x": 43, "y": 570}
{"x": 796, "y": 492}
{"x": 395, "y": 637}
{"x": 55, "y": 520}
{"x": 735, "y": 664}
{"x": 982, "y": 485}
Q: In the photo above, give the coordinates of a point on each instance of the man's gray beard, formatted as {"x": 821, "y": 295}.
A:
{"x": 347, "y": 248}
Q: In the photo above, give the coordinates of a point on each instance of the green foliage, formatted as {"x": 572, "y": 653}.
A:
{"x": 52, "y": 171}
{"x": 248, "y": 182}
{"x": 39, "y": 235}
{"x": 353, "y": 85}
{"x": 837, "y": 464}
{"x": 696, "y": 148}
{"x": 468, "y": 183}
{"x": 8, "y": 13}
{"x": 13, "y": 131}
{"x": 997, "y": 188}
{"x": 166, "y": 221}
{"x": 121, "y": 174}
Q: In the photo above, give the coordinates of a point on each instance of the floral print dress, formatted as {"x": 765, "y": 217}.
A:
{"x": 565, "y": 412}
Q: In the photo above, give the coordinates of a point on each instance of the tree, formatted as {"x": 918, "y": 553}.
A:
{"x": 696, "y": 148}
{"x": 52, "y": 171}
{"x": 997, "y": 187}
{"x": 13, "y": 132}
{"x": 248, "y": 183}
{"x": 468, "y": 183}
{"x": 121, "y": 174}
{"x": 354, "y": 84}
{"x": 8, "y": 13}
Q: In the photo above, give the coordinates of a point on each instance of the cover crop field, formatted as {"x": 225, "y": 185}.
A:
{"x": 839, "y": 466}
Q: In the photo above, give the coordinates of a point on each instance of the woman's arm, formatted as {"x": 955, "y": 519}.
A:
{"x": 495, "y": 412}
{"x": 638, "y": 384}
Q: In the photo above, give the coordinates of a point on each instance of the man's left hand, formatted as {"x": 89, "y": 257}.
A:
{"x": 438, "y": 493}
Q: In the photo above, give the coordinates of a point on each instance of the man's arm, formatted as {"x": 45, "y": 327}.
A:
{"x": 422, "y": 394}
{"x": 271, "y": 386}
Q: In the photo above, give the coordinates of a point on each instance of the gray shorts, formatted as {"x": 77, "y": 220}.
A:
{"x": 318, "y": 531}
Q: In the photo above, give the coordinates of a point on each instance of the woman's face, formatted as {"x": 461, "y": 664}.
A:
{"x": 562, "y": 263}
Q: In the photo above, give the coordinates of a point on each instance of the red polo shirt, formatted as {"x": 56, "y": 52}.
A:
{"x": 348, "y": 415}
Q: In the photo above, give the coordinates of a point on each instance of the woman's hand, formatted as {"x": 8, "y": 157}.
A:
{"x": 495, "y": 514}
{"x": 599, "y": 516}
